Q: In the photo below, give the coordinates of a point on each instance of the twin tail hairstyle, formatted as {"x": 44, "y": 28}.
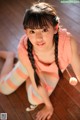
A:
{"x": 38, "y": 16}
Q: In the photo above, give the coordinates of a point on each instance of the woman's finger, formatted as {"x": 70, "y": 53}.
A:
{"x": 49, "y": 116}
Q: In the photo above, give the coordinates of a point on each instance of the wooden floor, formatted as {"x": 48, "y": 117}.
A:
{"x": 65, "y": 98}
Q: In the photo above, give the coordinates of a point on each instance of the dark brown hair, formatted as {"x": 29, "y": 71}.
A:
{"x": 39, "y": 15}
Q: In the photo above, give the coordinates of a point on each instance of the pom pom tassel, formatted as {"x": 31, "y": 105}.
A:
{"x": 72, "y": 81}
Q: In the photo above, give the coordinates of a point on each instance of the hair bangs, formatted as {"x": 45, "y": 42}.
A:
{"x": 37, "y": 21}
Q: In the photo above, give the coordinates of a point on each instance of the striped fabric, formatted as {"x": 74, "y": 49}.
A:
{"x": 14, "y": 79}
{"x": 48, "y": 74}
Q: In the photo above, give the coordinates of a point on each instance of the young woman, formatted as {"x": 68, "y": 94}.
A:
{"x": 44, "y": 53}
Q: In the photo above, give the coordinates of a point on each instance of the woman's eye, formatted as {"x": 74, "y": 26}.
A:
{"x": 45, "y": 30}
{"x": 32, "y": 32}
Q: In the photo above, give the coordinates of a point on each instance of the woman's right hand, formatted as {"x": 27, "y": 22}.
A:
{"x": 45, "y": 113}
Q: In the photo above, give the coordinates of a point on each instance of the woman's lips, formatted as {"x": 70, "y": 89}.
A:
{"x": 40, "y": 44}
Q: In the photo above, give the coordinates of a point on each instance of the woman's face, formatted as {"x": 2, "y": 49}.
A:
{"x": 41, "y": 39}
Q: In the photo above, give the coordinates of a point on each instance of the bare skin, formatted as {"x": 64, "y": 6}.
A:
{"x": 48, "y": 110}
{"x": 8, "y": 65}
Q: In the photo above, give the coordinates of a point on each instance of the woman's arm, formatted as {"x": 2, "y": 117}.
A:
{"x": 75, "y": 60}
{"x": 23, "y": 57}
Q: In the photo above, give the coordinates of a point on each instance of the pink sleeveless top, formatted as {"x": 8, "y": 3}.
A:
{"x": 64, "y": 52}
{"x": 48, "y": 73}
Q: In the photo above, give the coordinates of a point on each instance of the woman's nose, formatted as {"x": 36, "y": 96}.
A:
{"x": 39, "y": 36}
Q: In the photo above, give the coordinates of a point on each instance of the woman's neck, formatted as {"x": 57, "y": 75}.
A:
{"x": 46, "y": 56}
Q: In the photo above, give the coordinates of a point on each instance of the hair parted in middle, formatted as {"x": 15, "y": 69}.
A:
{"x": 38, "y": 16}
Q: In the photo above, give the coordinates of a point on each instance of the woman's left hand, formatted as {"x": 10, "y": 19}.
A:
{"x": 46, "y": 112}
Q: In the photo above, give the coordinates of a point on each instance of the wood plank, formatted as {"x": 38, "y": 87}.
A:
{"x": 74, "y": 111}
{"x": 66, "y": 20}
{"x": 65, "y": 98}
{"x": 60, "y": 110}
{"x": 67, "y": 77}
{"x": 78, "y": 5}
{"x": 72, "y": 15}
{"x": 19, "y": 107}
{"x": 73, "y": 8}
{"x": 72, "y": 93}
{"x": 26, "y": 103}
{"x": 1, "y": 110}
{"x": 10, "y": 16}
{"x": 8, "y": 108}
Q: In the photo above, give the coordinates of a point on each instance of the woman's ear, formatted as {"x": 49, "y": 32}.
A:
{"x": 56, "y": 28}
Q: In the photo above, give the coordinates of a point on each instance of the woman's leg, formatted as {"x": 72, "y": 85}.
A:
{"x": 28, "y": 89}
{"x": 9, "y": 62}
{"x": 33, "y": 97}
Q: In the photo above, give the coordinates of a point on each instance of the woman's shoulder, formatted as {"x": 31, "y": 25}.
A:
{"x": 64, "y": 38}
{"x": 63, "y": 32}
{"x": 64, "y": 47}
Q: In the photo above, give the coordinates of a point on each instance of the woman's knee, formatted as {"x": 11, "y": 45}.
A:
{"x": 4, "y": 88}
{"x": 28, "y": 83}
{"x": 5, "y": 91}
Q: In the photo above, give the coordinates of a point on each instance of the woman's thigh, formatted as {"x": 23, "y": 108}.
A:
{"x": 11, "y": 81}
